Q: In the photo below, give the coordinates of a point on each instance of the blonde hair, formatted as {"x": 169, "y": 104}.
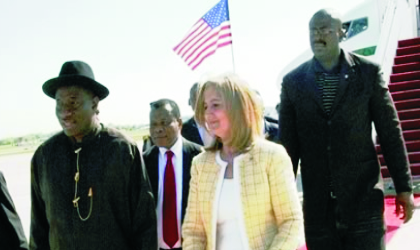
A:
{"x": 243, "y": 109}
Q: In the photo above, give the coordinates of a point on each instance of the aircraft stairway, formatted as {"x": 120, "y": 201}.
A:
{"x": 404, "y": 87}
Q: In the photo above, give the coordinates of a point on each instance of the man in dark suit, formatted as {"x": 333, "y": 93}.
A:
{"x": 191, "y": 130}
{"x": 168, "y": 162}
{"x": 328, "y": 105}
{"x": 12, "y": 236}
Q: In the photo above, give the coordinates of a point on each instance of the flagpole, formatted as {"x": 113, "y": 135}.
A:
{"x": 231, "y": 49}
{"x": 233, "y": 60}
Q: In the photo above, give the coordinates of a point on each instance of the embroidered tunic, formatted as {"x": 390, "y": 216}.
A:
{"x": 122, "y": 208}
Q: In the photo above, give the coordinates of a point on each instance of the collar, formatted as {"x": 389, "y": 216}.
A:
{"x": 176, "y": 148}
{"x": 87, "y": 139}
{"x": 345, "y": 60}
{"x": 223, "y": 163}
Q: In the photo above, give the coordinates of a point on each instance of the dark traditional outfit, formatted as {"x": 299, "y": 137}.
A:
{"x": 111, "y": 207}
{"x": 12, "y": 236}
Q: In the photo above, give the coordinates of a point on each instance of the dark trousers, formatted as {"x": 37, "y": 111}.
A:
{"x": 361, "y": 234}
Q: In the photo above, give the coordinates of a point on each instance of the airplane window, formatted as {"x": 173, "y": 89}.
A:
{"x": 346, "y": 26}
{"x": 355, "y": 27}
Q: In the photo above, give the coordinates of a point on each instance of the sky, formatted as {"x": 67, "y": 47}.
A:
{"x": 129, "y": 43}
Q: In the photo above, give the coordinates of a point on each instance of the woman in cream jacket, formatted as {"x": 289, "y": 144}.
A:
{"x": 242, "y": 191}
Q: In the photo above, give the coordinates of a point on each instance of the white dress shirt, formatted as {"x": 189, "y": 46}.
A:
{"x": 177, "y": 163}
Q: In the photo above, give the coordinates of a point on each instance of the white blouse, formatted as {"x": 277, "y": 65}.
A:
{"x": 228, "y": 232}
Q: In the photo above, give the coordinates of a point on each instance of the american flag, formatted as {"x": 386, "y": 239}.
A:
{"x": 208, "y": 34}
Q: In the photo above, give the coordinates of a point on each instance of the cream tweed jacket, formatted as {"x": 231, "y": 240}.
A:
{"x": 270, "y": 205}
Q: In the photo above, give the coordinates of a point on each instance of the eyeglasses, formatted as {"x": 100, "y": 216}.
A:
{"x": 324, "y": 31}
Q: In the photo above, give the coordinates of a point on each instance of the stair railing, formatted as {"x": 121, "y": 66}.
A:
{"x": 388, "y": 40}
{"x": 417, "y": 15}
{"x": 397, "y": 14}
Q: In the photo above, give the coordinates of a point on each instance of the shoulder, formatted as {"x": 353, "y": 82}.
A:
{"x": 361, "y": 61}
{"x": 298, "y": 72}
{"x": 52, "y": 143}
{"x": 205, "y": 157}
{"x": 54, "y": 148}
{"x": 188, "y": 127}
{"x": 56, "y": 138}
{"x": 117, "y": 143}
{"x": 265, "y": 147}
{"x": 150, "y": 151}
{"x": 191, "y": 147}
{"x": 188, "y": 122}
{"x": 117, "y": 140}
{"x": 116, "y": 135}
{"x": 368, "y": 71}
{"x": 270, "y": 156}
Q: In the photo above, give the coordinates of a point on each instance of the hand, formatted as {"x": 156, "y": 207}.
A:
{"x": 404, "y": 204}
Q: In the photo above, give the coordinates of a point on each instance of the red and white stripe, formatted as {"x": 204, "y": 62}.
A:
{"x": 202, "y": 41}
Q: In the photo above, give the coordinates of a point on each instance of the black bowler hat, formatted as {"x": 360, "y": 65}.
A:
{"x": 75, "y": 73}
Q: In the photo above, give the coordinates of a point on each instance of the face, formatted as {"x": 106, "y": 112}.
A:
{"x": 215, "y": 113}
{"x": 164, "y": 127}
{"x": 76, "y": 111}
{"x": 325, "y": 36}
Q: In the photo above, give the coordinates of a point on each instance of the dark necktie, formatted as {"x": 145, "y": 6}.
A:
{"x": 170, "y": 225}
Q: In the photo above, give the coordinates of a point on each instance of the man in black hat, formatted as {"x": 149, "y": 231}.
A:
{"x": 88, "y": 183}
